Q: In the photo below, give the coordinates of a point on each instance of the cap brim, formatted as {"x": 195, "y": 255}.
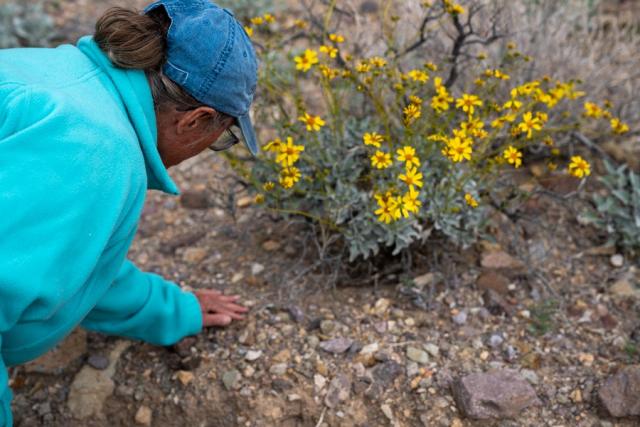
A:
{"x": 248, "y": 133}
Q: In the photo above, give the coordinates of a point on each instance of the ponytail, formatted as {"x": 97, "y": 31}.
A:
{"x": 132, "y": 40}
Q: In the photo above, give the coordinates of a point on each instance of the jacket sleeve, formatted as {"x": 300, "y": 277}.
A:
{"x": 145, "y": 306}
{"x": 5, "y": 394}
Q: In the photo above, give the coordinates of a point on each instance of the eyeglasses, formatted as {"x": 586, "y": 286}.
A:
{"x": 227, "y": 140}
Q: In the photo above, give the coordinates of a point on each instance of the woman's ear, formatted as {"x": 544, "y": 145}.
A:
{"x": 198, "y": 119}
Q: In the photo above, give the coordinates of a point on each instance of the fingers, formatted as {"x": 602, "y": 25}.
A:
{"x": 216, "y": 319}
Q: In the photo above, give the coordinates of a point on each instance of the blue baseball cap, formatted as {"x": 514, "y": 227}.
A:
{"x": 210, "y": 55}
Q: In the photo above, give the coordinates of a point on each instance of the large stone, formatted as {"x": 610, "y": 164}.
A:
{"x": 91, "y": 387}
{"x": 64, "y": 354}
{"x": 493, "y": 280}
{"x": 496, "y": 394}
{"x": 620, "y": 394}
{"x": 500, "y": 260}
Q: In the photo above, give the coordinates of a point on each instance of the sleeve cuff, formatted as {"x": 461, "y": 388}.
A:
{"x": 193, "y": 314}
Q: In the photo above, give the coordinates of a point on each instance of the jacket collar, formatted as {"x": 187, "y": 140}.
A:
{"x": 133, "y": 87}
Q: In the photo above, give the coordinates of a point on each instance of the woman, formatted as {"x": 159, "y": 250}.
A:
{"x": 84, "y": 131}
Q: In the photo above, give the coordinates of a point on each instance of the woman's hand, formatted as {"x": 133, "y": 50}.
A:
{"x": 218, "y": 309}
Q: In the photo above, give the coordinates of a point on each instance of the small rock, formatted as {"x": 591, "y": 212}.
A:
{"x": 495, "y": 340}
{"x": 313, "y": 341}
{"x": 249, "y": 371}
{"x": 194, "y": 255}
{"x": 417, "y": 355}
{"x": 231, "y": 379}
{"x": 339, "y": 391}
{"x": 497, "y": 394}
{"x": 194, "y": 199}
{"x": 386, "y": 373}
{"x": 185, "y": 377}
{"x": 370, "y": 348}
{"x": 381, "y": 306}
{"x": 143, "y": 416}
{"x": 271, "y": 246}
{"x": 319, "y": 382}
{"x": 283, "y": 356}
{"x": 296, "y": 313}
{"x": 432, "y": 349}
{"x": 619, "y": 394}
{"x": 244, "y": 202}
{"x": 98, "y": 361}
{"x": 327, "y": 326}
{"x": 460, "y": 318}
{"x": 281, "y": 385}
{"x": 426, "y": 279}
{"x": 238, "y": 276}
{"x": 278, "y": 369}
{"x": 386, "y": 410}
{"x": 256, "y": 269}
{"x": 530, "y": 376}
{"x": 617, "y": 260}
{"x": 625, "y": 288}
{"x": 253, "y": 355}
{"x": 337, "y": 345}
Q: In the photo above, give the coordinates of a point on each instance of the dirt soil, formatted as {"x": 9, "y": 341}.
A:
{"x": 542, "y": 297}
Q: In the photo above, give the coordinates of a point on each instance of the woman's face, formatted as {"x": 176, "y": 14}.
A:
{"x": 184, "y": 134}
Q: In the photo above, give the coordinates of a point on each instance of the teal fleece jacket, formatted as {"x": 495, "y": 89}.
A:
{"x": 78, "y": 150}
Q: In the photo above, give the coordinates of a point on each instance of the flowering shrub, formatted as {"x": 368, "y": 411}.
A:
{"x": 382, "y": 149}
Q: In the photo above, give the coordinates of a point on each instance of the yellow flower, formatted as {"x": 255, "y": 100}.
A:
{"x": 513, "y": 156}
{"x": 592, "y": 110}
{"x": 411, "y": 177}
{"x": 529, "y": 124}
{"x": 511, "y": 45}
{"x": 430, "y": 66}
{"x": 418, "y": 76}
{"x": 268, "y": 186}
{"x": 259, "y": 199}
{"x": 314, "y": 123}
{"x": 618, "y": 127}
{"x": 415, "y": 99}
{"x": 289, "y": 153}
{"x": 363, "y": 67}
{"x": 306, "y": 60}
{"x": 373, "y": 139}
{"x": 330, "y": 51}
{"x": 513, "y": 105}
{"x": 258, "y": 20}
{"x": 579, "y": 167}
{"x": 548, "y": 141}
{"x": 248, "y": 30}
{"x": 269, "y": 18}
{"x": 381, "y": 160}
{"x": 378, "y": 62}
{"x": 470, "y": 200}
{"x": 441, "y": 101}
{"x": 289, "y": 176}
{"x": 459, "y": 149}
{"x": 273, "y": 145}
{"x": 300, "y": 23}
{"x": 437, "y": 83}
{"x": 468, "y": 102}
{"x": 500, "y": 75}
{"x": 328, "y": 72}
{"x": 411, "y": 112}
{"x": 407, "y": 154}
{"x": 409, "y": 203}
{"x": 388, "y": 208}
{"x": 474, "y": 127}
{"x": 336, "y": 38}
